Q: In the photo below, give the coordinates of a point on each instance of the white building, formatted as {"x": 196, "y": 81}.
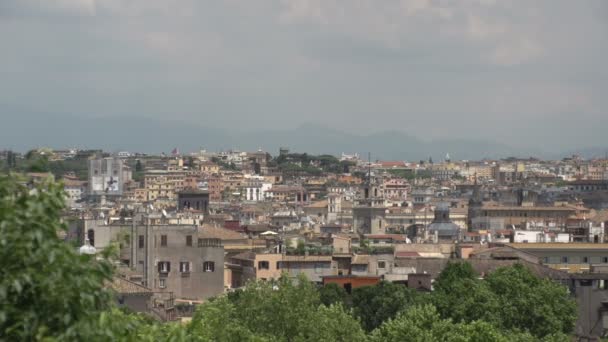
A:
{"x": 524, "y": 236}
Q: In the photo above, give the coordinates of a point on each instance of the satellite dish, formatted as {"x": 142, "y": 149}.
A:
{"x": 164, "y": 213}
{"x": 150, "y": 206}
{"x": 102, "y": 215}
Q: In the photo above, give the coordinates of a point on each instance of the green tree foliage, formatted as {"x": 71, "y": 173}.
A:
{"x": 36, "y": 163}
{"x": 46, "y": 288}
{"x": 275, "y": 311}
{"x": 510, "y": 298}
{"x": 79, "y": 166}
{"x": 333, "y": 294}
{"x": 424, "y": 324}
{"x": 376, "y": 304}
{"x": 452, "y": 273}
{"x": 530, "y": 303}
{"x": 310, "y": 164}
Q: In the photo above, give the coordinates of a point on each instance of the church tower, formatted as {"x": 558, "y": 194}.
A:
{"x": 475, "y": 205}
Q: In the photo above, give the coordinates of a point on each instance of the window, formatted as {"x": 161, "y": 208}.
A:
{"x": 564, "y": 260}
{"x": 278, "y": 265}
{"x": 141, "y": 241}
{"x": 184, "y": 267}
{"x": 91, "y": 236}
{"x": 189, "y": 240}
{"x": 200, "y": 242}
{"x": 163, "y": 240}
{"x": 164, "y": 267}
{"x": 585, "y": 260}
{"x": 381, "y": 264}
{"x": 162, "y": 283}
{"x": 209, "y": 266}
{"x": 605, "y": 260}
{"x": 263, "y": 265}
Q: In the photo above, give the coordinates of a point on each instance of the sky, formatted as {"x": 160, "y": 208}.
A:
{"x": 518, "y": 72}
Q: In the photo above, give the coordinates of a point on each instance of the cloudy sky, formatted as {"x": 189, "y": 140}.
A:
{"x": 521, "y": 72}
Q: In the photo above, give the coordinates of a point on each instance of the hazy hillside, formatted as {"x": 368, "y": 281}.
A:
{"x": 153, "y": 136}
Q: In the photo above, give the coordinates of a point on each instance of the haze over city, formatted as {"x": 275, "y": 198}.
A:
{"x": 527, "y": 75}
{"x": 303, "y": 170}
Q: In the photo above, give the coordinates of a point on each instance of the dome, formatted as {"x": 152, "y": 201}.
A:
{"x": 442, "y": 224}
{"x": 444, "y": 229}
{"x": 87, "y": 248}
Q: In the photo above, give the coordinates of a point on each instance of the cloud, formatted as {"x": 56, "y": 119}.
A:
{"x": 429, "y": 67}
{"x": 43, "y": 7}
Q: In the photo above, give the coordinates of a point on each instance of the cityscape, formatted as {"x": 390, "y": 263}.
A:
{"x": 302, "y": 170}
{"x": 194, "y": 226}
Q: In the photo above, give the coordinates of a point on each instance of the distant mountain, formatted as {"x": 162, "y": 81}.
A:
{"x": 587, "y": 153}
{"x": 26, "y": 131}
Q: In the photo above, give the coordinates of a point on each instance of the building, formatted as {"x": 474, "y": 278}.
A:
{"x": 315, "y": 267}
{"x": 248, "y": 266}
{"x": 442, "y": 228}
{"x": 256, "y": 190}
{"x": 369, "y": 211}
{"x": 106, "y": 177}
{"x": 350, "y": 282}
{"x": 588, "y": 185}
{"x": 182, "y": 259}
{"x": 75, "y": 191}
{"x": 553, "y": 217}
{"x": 193, "y": 199}
{"x": 288, "y": 194}
{"x": 396, "y": 189}
{"x": 161, "y": 184}
{"x": 130, "y": 294}
{"x": 569, "y": 257}
{"x": 215, "y": 185}
{"x": 334, "y": 207}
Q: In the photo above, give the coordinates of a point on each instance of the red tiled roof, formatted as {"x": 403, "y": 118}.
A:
{"x": 392, "y": 163}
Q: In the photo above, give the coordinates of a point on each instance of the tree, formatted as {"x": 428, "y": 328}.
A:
{"x": 452, "y": 273}
{"x": 423, "y": 323}
{"x": 332, "y": 294}
{"x": 38, "y": 163}
{"x": 511, "y": 298}
{"x": 138, "y": 166}
{"x": 376, "y": 304}
{"x": 466, "y": 300}
{"x": 47, "y": 290}
{"x": 275, "y": 311}
{"x": 527, "y": 302}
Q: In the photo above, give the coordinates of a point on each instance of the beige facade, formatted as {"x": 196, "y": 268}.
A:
{"x": 180, "y": 259}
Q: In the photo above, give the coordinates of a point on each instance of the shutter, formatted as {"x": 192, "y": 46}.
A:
{"x": 168, "y": 267}
{"x": 160, "y": 266}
